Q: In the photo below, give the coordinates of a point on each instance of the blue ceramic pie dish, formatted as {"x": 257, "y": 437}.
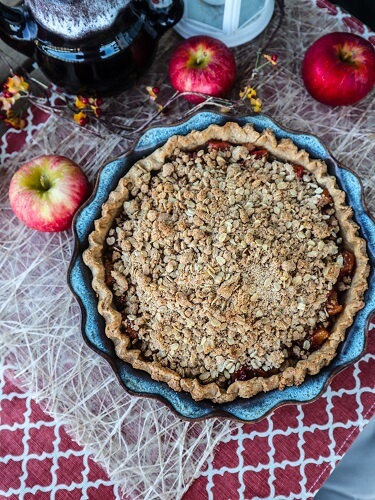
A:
{"x": 139, "y": 382}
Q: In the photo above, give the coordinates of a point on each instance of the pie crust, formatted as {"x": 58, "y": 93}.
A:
{"x": 163, "y": 367}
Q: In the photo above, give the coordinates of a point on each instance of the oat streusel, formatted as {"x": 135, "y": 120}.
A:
{"x": 225, "y": 259}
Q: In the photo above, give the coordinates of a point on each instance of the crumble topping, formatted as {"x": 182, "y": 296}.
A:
{"x": 224, "y": 259}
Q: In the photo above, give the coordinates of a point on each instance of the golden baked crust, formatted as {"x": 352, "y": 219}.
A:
{"x": 229, "y": 287}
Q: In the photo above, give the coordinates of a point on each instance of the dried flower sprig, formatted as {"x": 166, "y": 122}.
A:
{"x": 153, "y": 95}
{"x": 16, "y": 97}
{"x": 249, "y": 92}
{"x": 84, "y": 106}
{"x": 13, "y": 103}
{"x": 246, "y": 94}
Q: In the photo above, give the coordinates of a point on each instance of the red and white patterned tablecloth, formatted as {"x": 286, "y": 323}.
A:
{"x": 287, "y": 455}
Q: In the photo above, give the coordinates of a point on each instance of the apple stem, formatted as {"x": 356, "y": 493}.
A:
{"x": 345, "y": 56}
{"x": 201, "y": 57}
{"x": 44, "y": 182}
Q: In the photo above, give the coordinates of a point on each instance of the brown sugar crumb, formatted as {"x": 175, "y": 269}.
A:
{"x": 224, "y": 259}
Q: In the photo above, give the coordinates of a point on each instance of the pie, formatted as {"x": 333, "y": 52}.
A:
{"x": 227, "y": 263}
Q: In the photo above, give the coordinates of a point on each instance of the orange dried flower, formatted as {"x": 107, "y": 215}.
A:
{"x": 81, "y": 118}
{"x": 271, "y": 59}
{"x": 15, "y": 84}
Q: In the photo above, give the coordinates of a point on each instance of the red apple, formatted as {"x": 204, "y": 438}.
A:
{"x": 202, "y": 64}
{"x": 339, "y": 68}
{"x": 46, "y": 191}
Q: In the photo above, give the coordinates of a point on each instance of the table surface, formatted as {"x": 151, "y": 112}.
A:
{"x": 288, "y": 454}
